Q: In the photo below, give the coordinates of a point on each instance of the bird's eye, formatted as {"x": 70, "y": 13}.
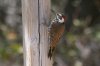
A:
{"x": 60, "y": 17}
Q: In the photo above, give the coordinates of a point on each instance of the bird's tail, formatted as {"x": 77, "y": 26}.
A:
{"x": 51, "y": 51}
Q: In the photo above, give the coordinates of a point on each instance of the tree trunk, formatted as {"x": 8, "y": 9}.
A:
{"x": 35, "y": 13}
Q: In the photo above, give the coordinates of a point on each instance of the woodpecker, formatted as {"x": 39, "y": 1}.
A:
{"x": 56, "y": 30}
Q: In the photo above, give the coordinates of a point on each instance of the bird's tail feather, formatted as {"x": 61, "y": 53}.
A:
{"x": 51, "y": 51}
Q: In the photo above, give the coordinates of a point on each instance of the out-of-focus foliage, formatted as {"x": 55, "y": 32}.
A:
{"x": 10, "y": 33}
{"x": 80, "y": 45}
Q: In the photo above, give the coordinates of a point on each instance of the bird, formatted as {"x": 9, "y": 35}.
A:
{"x": 55, "y": 30}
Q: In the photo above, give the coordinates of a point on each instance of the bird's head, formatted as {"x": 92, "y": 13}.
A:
{"x": 60, "y": 18}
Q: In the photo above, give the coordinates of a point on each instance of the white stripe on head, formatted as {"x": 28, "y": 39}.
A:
{"x": 60, "y": 20}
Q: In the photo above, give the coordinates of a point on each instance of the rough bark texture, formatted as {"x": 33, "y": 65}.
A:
{"x": 35, "y": 13}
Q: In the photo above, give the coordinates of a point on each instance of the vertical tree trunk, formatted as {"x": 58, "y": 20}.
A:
{"x": 35, "y": 13}
{"x": 44, "y": 13}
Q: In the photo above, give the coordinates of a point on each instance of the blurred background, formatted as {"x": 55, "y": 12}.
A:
{"x": 80, "y": 45}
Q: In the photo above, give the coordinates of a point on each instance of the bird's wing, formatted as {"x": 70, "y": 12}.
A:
{"x": 55, "y": 34}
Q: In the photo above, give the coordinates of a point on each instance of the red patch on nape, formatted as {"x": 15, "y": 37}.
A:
{"x": 65, "y": 18}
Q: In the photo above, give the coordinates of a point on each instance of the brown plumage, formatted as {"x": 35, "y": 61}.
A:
{"x": 56, "y": 31}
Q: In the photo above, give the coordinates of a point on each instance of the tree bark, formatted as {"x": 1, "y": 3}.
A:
{"x": 34, "y": 14}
